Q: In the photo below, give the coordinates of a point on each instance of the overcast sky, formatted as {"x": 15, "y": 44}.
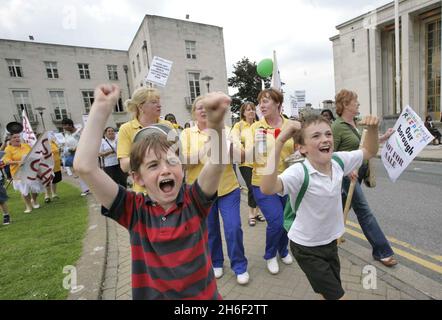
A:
{"x": 299, "y": 30}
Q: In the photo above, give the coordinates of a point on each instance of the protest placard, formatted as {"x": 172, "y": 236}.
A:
{"x": 159, "y": 71}
{"x": 409, "y": 139}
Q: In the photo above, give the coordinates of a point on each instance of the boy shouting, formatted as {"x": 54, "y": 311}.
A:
{"x": 168, "y": 228}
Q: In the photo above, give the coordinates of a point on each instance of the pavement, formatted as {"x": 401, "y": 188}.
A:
{"x": 104, "y": 270}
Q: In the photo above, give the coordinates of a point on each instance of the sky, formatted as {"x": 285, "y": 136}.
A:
{"x": 298, "y": 30}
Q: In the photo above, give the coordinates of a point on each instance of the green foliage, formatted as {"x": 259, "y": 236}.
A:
{"x": 247, "y": 81}
{"x": 36, "y": 247}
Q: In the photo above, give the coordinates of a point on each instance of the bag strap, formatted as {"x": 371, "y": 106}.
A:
{"x": 339, "y": 161}
{"x": 289, "y": 212}
{"x": 110, "y": 145}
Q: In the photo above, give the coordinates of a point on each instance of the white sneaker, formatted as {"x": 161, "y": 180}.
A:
{"x": 273, "y": 266}
{"x": 287, "y": 259}
{"x": 35, "y": 205}
{"x": 85, "y": 193}
{"x": 218, "y": 272}
{"x": 243, "y": 278}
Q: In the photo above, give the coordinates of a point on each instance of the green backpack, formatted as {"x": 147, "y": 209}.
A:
{"x": 289, "y": 212}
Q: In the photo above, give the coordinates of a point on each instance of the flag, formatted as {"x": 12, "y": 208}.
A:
{"x": 276, "y": 78}
{"x": 27, "y": 134}
{"x": 38, "y": 165}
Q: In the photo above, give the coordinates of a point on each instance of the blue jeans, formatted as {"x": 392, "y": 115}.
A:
{"x": 367, "y": 221}
{"x": 229, "y": 206}
{"x": 272, "y": 208}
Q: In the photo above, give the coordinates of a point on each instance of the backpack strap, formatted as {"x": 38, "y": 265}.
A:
{"x": 289, "y": 212}
{"x": 339, "y": 161}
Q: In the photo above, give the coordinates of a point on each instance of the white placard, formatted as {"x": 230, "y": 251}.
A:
{"x": 159, "y": 71}
{"x": 85, "y": 117}
{"x": 405, "y": 144}
{"x": 59, "y": 137}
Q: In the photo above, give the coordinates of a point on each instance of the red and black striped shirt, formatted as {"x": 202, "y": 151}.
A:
{"x": 170, "y": 252}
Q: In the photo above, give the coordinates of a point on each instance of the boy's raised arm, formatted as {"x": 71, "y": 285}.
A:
{"x": 216, "y": 105}
{"x": 371, "y": 144}
{"x": 271, "y": 184}
{"x": 85, "y": 163}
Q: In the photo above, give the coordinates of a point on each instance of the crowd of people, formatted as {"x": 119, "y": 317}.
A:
{"x": 181, "y": 192}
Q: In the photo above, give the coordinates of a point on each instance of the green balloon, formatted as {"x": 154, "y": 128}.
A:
{"x": 265, "y": 68}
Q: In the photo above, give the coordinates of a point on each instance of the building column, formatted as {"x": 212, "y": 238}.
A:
{"x": 375, "y": 71}
{"x": 406, "y": 47}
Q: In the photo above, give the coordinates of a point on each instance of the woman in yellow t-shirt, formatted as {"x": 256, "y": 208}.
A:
{"x": 145, "y": 106}
{"x": 228, "y": 202}
{"x": 272, "y": 206}
{"x": 15, "y": 153}
{"x": 239, "y": 135}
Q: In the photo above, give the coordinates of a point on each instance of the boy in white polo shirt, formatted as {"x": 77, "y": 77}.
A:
{"x": 319, "y": 218}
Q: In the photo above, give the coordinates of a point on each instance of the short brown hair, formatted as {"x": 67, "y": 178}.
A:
{"x": 343, "y": 98}
{"x": 157, "y": 141}
{"x": 308, "y": 121}
{"x": 244, "y": 107}
{"x": 273, "y": 94}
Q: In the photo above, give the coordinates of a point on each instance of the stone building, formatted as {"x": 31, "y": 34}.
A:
{"x": 364, "y": 59}
{"x": 61, "y": 78}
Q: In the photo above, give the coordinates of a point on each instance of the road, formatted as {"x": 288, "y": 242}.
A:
{"x": 410, "y": 214}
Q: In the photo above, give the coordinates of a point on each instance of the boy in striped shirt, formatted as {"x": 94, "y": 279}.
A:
{"x": 168, "y": 228}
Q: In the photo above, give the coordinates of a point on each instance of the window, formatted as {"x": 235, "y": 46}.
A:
{"x": 433, "y": 67}
{"x": 139, "y": 63}
{"x": 112, "y": 72}
{"x": 88, "y": 99}
{"x": 14, "y": 68}
{"x": 191, "y": 49}
{"x": 353, "y": 45}
{"x": 22, "y": 102}
{"x": 133, "y": 68}
{"x": 194, "y": 85}
{"x": 119, "y": 106}
{"x": 144, "y": 51}
{"x": 58, "y": 104}
{"x": 51, "y": 70}
{"x": 84, "y": 71}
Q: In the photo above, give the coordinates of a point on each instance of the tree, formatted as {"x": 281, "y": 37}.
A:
{"x": 247, "y": 81}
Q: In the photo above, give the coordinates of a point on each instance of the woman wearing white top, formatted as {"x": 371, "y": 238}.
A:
{"x": 108, "y": 152}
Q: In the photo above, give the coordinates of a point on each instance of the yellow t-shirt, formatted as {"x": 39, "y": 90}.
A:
{"x": 56, "y": 155}
{"x": 15, "y": 154}
{"x": 240, "y": 135}
{"x": 192, "y": 140}
{"x": 126, "y": 135}
{"x": 287, "y": 150}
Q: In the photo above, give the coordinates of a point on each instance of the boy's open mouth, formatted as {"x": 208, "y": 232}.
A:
{"x": 325, "y": 149}
{"x": 167, "y": 185}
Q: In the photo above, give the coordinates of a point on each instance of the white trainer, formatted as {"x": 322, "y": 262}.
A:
{"x": 218, "y": 272}
{"x": 243, "y": 278}
{"x": 273, "y": 266}
{"x": 287, "y": 259}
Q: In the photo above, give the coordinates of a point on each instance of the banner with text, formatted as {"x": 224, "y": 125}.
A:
{"x": 159, "y": 71}
{"x": 38, "y": 164}
{"x": 409, "y": 139}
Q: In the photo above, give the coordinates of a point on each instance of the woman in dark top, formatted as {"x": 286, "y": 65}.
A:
{"x": 433, "y": 130}
{"x": 347, "y": 138}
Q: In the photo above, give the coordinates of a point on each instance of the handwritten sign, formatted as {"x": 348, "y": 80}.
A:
{"x": 409, "y": 139}
{"x": 159, "y": 71}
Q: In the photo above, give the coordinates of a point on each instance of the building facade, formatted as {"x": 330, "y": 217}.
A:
{"x": 365, "y": 60}
{"x": 197, "y": 52}
{"x": 52, "y": 82}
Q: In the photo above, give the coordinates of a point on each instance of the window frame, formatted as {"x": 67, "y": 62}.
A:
{"x": 190, "y": 49}
{"x": 14, "y": 68}
{"x": 84, "y": 68}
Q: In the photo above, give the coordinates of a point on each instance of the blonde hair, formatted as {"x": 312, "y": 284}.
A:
{"x": 198, "y": 99}
{"x": 343, "y": 99}
{"x": 139, "y": 97}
